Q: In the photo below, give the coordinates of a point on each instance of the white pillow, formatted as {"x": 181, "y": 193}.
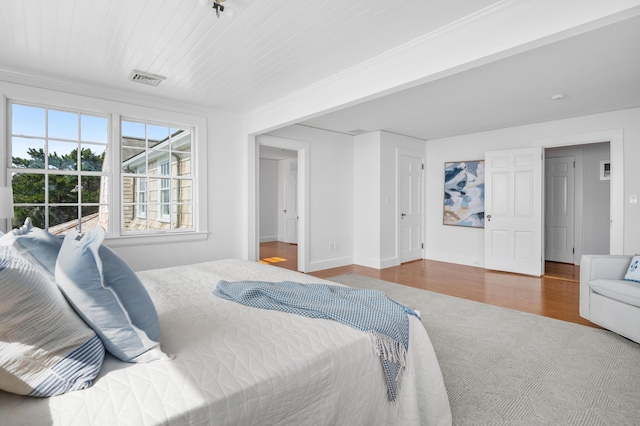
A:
{"x": 633, "y": 273}
{"x": 45, "y": 349}
{"x": 109, "y": 296}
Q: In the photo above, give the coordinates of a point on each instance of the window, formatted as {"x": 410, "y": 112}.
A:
{"x": 62, "y": 175}
{"x": 59, "y": 167}
{"x": 156, "y": 160}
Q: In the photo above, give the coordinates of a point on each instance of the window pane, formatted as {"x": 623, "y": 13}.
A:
{"x": 89, "y": 218}
{"x": 63, "y": 125}
{"x": 27, "y": 153}
{"x": 27, "y": 120}
{"x": 133, "y": 159}
{"x": 181, "y": 165}
{"x": 28, "y": 188}
{"x": 132, "y": 131}
{"x": 181, "y": 141}
{"x": 158, "y": 217}
{"x": 63, "y": 155}
{"x": 94, "y": 216}
{"x": 36, "y": 214}
{"x": 182, "y": 190}
{"x": 159, "y": 163}
{"x": 91, "y": 189}
{"x": 62, "y": 219}
{"x": 93, "y": 129}
{"x": 63, "y": 189}
{"x": 134, "y": 190}
{"x": 153, "y": 188}
{"x": 157, "y": 135}
{"x": 93, "y": 157}
{"x": 181, "y": 216}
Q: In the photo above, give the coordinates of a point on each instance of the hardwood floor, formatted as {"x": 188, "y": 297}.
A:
{"x": 555, "y": 295}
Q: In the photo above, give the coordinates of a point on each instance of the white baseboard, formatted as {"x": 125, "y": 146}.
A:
{"x": 268, "y": 239}
{"x": 460, "y": 260}
{"x": 330, "y": 263}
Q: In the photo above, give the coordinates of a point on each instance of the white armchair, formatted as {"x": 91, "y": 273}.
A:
{"x": 606, "y": 298}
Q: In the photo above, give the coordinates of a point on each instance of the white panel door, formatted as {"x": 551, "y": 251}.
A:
{"x": 291, "y": 207}
{"x": 410, "y": 208}
{"x": 513, "y": 211}
{"x": 559, "y": 209}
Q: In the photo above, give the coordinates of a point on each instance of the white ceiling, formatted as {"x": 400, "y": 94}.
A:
{"x": 270, "y": 49}
{"x": 267, "y": 50}
{"x": 273, "y": 153}
{"x": 597, "y": 72}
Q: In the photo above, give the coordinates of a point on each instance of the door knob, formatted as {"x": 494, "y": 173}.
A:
{"x": 489, "y": 217}
{"x": 403, "y": 215}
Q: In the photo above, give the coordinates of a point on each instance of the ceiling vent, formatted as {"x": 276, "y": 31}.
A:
{"x": 146, "y": 78}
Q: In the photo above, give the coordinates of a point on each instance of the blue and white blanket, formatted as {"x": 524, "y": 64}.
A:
{"x": 371, "y": 311}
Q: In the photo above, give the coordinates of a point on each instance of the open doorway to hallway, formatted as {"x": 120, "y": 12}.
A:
{"x": 577, "y": 206}
{"x": 278, "y": 206}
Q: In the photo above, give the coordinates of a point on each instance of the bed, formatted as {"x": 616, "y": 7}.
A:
{"x": 237, "y": 365}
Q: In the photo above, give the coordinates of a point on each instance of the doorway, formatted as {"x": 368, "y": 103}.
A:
{"x": 300, "y": 152}
{"x": 578, "y": 197}
{"x": 278, "y": 206}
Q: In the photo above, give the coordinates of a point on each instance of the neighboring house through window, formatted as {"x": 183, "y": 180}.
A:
{"x": 157, "y": 158}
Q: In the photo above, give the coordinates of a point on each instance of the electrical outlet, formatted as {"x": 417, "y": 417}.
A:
{"x": 335, "y": 246}
{"x": 633, "y": 199}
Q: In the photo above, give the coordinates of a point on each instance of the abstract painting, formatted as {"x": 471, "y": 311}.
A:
{"x": 464, "y": 194}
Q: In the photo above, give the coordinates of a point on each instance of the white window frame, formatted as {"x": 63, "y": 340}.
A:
{"x": 142, "y": 111}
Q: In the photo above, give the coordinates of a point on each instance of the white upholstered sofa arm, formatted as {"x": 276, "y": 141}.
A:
{"x": 599, "y": 266}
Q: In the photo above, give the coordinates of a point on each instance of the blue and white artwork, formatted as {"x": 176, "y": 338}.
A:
{"x": 464, "y": 194}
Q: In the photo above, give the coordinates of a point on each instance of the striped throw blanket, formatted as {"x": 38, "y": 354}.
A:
{"x": 371, "y": 311}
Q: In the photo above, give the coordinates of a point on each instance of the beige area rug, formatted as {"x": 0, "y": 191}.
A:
{"x": 505, "y": 367}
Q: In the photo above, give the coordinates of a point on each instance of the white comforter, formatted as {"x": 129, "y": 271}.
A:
{"x": 236, "y": 365}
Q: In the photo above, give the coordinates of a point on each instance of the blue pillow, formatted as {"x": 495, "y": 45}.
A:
{"x": 35, "y": 245}
{"x": 633, "y": 273}
{"x": 45, "y": 349}
{"x": 109, "y": 296}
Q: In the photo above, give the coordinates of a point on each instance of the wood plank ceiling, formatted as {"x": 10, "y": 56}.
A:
{"x": 267, "y": 50}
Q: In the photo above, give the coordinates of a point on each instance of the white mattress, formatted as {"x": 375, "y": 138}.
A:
{"x": 237, "y": 365}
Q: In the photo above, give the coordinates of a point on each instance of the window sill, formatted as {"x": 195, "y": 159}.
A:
{"x": 159, "y": 238}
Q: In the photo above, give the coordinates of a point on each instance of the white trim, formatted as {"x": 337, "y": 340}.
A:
{"x": 330, "y": 263}
{"x": 156, "y": 238}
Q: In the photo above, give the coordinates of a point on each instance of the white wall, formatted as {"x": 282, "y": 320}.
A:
{"x": 366, "y": 199}
{"x": 330, "y": 194}
{"x": 269, "y": 207}
{"x": 466, "y": 245}
{"x": 220, "y": 133}
{"x": 595, "y": 202}
{"x": 376, "y": 196}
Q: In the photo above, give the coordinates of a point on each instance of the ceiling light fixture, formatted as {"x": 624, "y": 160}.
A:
{"x": 557, "y": 97}
{"x": 216, "y": 5}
